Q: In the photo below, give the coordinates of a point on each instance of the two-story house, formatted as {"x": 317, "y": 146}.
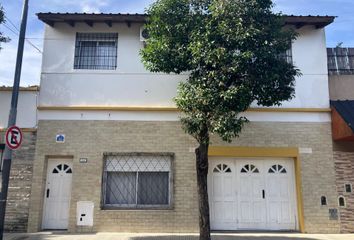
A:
{"x": 111, "y": 154}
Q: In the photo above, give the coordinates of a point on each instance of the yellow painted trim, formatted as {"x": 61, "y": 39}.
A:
{"x": 22, "y": 129}
{"x": 290, "y": 152}
{"x": 108, "y": 108}
{"x": 22, "y": 89}
{"x": 313, "y": 110}
{"x": 252, "y": 152}
{"x": 300, "y": 204}
{"x": 169, "y": 109}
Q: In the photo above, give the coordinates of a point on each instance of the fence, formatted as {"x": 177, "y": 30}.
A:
{"x": 340, "y": 61}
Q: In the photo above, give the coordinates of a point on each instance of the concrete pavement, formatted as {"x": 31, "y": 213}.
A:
{"x": 149, "y": 236}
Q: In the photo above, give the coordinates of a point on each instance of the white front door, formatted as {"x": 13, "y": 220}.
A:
{"x": 252, "y": 205}
{"x": 57, "y": 194}
{"x": 252, "y": 194}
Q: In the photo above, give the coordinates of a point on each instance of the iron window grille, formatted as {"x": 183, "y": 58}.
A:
{"x": 287, "y": 55}
{"x": 96, "y": 51}
{"x": 137, "y": 180}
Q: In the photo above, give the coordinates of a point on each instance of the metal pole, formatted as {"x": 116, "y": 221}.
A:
{"x": 2, "y": 147}
{"x": 6, "y": 165}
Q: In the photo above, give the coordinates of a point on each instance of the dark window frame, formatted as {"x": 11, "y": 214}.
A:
{"x": 348, "y": 188}
{"x": 169, "y": 206}
{"x": 97, "y": 56}
{"x": 342, "y": 202}
{"x": 288, "y": 54}
{"x": 324, "y": 201}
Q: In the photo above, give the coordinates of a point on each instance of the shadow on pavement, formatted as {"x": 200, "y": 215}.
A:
{"x": 113, "y": 236}
{"x": 223, "y": 237}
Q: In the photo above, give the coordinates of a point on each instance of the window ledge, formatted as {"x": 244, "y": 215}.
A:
{"x": 168, "y": 208}
{"x": 78, "y": 70}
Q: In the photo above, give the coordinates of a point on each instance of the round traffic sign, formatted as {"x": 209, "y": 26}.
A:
{"x": 13, "y": 137}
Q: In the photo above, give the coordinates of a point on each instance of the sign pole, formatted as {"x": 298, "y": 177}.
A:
{"x": 2, "y": 147}
{"x": 6, "y": 165}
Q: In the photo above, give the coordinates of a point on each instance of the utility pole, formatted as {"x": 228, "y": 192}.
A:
{"x": 6, "y": 164}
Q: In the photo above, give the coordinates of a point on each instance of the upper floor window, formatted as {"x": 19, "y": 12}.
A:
{"x": 287, "y": 55}
{"x": 96, "y": 51}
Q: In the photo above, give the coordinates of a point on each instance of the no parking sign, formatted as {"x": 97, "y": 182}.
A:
{"x": 13, "y": 137}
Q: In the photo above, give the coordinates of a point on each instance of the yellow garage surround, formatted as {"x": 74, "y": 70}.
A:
{"x": 288, "y": 152}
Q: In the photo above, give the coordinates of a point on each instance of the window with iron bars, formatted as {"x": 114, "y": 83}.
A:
{"x": 287, "y": 55}
{"x": 96, "y": 51}
{"x": 137, "y": 180}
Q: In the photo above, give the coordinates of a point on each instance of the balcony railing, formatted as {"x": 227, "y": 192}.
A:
{"x": 340, "y": 61}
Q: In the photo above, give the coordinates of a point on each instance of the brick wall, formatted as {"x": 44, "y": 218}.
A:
{"x": 90, "y": 139}
{"x": 344, "y": 163}
{"x": 17, "y": 208}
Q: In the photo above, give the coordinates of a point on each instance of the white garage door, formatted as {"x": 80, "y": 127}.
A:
{"x": 254, "y": 194}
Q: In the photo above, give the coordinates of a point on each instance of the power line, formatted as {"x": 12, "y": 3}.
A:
{"x": 16, "y": 33}
{"x": 28, "y": 41}
{"x": 10, "y": 29}
{"x": 8, "y": 19}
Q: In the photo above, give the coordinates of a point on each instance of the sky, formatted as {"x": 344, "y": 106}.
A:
{"x": 341, "y": 30}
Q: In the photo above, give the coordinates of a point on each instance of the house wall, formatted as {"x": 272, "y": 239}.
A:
{"x": 88, "y": 139}
{"x": 17, "y": 207}
{"x": 344, "y": 165}
{"x": 26, "y": 110}
{"x": 341, "y": 87}
{"x": 131, "y": 85}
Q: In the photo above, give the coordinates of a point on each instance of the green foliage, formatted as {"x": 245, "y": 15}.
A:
{"x": 231, "y": 48}
{"x": 2, "y": 20}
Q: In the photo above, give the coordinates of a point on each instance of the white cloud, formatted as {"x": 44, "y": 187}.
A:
{"x": 92, "y": 6}
{"x": 89, "y": 6}
{"x": 90, "y": 9}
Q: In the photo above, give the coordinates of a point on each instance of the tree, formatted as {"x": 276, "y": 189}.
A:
{"x": 3, "y": 39}
{"x": 232, "y": 50}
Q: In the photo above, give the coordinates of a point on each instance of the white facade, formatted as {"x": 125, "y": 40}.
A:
{"x": 131, "y": 85}
{"x": 254, "y": 183}
{"x": 26, "y": 110}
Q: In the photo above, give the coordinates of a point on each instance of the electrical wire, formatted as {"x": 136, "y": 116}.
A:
{"x": 4, "y": 24}
{"x": 17, "y": 33}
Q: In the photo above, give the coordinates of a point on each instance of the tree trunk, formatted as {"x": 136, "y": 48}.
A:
{"x": 202, "y": 181}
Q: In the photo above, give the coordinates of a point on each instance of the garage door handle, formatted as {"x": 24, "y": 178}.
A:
{"x": 263, "y": 194}
{"x": 47, "y": 193}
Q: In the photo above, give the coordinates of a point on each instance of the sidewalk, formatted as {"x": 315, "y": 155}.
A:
{"x": 149, "y": 236}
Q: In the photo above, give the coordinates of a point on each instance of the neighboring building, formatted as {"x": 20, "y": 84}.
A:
{"x": 341, "y": 73}
{"x": 111, "y": 154}
{"x": 16, "y": 217}
{"x": 341, "y": 88}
